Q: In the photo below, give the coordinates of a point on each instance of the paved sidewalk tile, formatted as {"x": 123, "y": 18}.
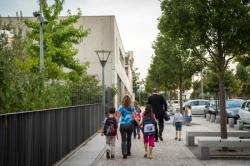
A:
{"x": 87, "y": 154}
{"x": 169, "y": 152}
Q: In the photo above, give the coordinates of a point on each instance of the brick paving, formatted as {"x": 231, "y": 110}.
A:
{"x": 171, "y": 152}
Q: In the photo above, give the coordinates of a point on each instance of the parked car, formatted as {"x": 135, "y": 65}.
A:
{"x": 232, "y": 108}
{"x": 211, "y": 108}
{"x": 244, "y": 112}
{"x": 197, "y": 106}
{"x": 175, "y": 105}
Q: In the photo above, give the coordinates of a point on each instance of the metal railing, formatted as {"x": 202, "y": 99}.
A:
{"x": 41, "y": 138}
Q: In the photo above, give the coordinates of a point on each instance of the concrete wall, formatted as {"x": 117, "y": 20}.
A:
{"x": 104, "y": 34}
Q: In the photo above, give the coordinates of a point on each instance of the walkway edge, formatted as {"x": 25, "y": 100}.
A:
{"x": 76, "y": 150}
{"x": 98, "y": 158}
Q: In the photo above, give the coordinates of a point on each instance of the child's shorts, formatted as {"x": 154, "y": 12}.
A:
{"x": 178, "y": 126}
{"x": 188, "y": 118}
{"x": 149, "y": 139}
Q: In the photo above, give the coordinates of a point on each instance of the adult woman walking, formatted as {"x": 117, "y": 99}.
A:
{"x": 125, "y": 112}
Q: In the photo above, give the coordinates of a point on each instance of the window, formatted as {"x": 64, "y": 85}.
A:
{"x": 247, "y": 105}
{"x": 203, "y": 103}
{"x": 195, "y": 103}
{"x": 121, "y": 57}
{"x": 243, "y": 105}
{"x": 233, "y": 104}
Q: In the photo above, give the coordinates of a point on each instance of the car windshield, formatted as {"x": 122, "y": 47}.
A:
{"x": 233, "y": 103}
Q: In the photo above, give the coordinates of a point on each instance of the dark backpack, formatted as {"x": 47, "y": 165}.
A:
{"x": 110, "y": 127}
{"x": 148, "y": 126}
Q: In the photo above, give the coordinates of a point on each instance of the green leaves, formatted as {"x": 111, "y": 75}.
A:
{"x": 136, "y": 81}
{"x": 172, "y": 64}
{"x": 60, "y": 36}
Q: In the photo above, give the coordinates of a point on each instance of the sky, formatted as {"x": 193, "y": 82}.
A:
{"x": 137, "y": 21}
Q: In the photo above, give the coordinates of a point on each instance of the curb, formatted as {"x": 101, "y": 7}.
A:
{"x": 75, "y": 150}
{"x": 98, "y": 157}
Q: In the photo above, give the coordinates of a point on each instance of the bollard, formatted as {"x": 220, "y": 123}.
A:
{"x": 217, "y": 119}
{"x": 212, "y": 118}
{"x": 208, "y": 117}
{"x": 231, "y": 122}
{"x": 239, "y": 125}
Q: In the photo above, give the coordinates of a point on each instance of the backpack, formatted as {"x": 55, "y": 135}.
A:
{"x": 110, "y": 127}
{"x": 148, "y": 126}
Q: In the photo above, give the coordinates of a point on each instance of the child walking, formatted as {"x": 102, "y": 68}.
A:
{"x": 148, "y": 129}
{"x": 136, "y": 127}
{"x": 188, "y": 117}
{"x": 178, "y": 120}
{"x": 110, "y": 131}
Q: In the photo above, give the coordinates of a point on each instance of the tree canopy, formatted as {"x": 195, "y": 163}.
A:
{"x": 60, "y": 36}
{"x": 172, "y": 66}
{"x": 233, "y": 85}
{"x": 221, "y": 28}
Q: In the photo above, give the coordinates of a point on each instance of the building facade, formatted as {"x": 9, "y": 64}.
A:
{"x": 104, "y": 35}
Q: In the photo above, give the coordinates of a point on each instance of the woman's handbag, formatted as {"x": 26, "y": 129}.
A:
{"x": 166, "y": 116}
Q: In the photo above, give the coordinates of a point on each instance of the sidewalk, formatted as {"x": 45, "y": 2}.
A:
{"x": 88, "y": 154}
{"x": 169, "y": 152}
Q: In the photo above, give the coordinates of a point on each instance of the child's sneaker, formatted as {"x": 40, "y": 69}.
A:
{"x": 175, "y": 138}
{"x": 107, "y": 155}
{"x": 112, "y": 156}
{"x": 150, "y": 156}
{"x": 179, "y": 139}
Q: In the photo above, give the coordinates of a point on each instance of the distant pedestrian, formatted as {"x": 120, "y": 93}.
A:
{"x": 110, "y": 131}
{"x": 159, "y": 106}
{"x": 136, "y": 127}
{"x": 149, "y": 129}
{"x": 177, "y": 121}
{"x": 188, "y": 117}
{"x": 125, "y": 113}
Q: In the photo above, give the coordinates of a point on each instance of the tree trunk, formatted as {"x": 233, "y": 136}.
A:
{"x": 223, "y": 116}
{"x": 180, "y": 94}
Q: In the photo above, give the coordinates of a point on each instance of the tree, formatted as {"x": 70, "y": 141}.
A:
{"x": 11, "y": 46}
{"x": 243, "y": 75}
{"x": 173, "y": 64}
{"x": 211, "y": 83}
{"x": 156, "y": 77}
{"x": 20, "y": 88}
{"x": 136, "y": 81}
{"x": 222, "y": 28}
{"x": 60, "y": 36}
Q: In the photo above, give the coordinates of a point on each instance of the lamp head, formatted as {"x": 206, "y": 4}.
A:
{"x": 36, "y": 14}
{"x": 103, "y": 56}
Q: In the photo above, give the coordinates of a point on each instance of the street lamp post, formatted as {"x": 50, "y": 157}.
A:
{"x": 42, "y": 21}
{"x": 103, "y": 56}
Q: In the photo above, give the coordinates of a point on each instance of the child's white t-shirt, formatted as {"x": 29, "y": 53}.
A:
{"x": 189, "y": 113}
